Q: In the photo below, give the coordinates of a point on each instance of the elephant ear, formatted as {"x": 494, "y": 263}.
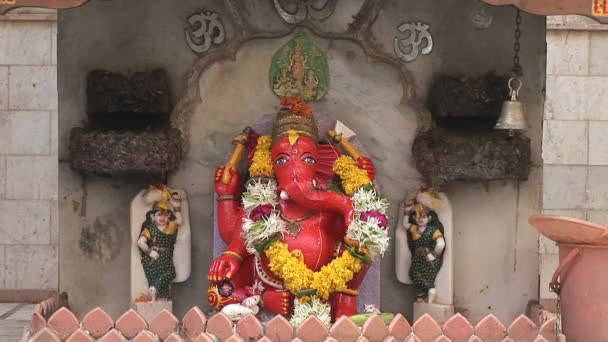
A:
{"x": 327, "y": 156}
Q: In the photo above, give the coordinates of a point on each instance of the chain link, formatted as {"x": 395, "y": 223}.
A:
{"x": 517, "y": 69}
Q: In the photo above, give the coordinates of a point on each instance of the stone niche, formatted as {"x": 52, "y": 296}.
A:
{"x": 128, "y": 130}
{"x": 462, "y": 145}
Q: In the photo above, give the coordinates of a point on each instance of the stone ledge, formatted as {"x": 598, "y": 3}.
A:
{"x": 119, "y": 153}
{"x": 29, "y": 17}
{"x": 443, "y": 156}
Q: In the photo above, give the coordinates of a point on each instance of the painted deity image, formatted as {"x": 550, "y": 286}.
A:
{"x": 299, "y": 68}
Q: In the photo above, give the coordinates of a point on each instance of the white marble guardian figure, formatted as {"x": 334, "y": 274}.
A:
{"x": 423, "y": 252}
{"x": 160, "y": 253}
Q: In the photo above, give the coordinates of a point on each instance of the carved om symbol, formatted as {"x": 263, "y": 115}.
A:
{"x": 204, "y": 30}
{"x": 304, "y": 8}
{"x": 418, "y": 32}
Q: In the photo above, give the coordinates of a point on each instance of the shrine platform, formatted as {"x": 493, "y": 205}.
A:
{"x": 53, "y": 321}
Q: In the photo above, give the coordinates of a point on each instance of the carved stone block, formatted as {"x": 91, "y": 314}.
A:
{"x": 467, "y": 101}
{"x": 116, "y": 153}
{"x": 118, "y": 101}
{"x": 443, "y": 156}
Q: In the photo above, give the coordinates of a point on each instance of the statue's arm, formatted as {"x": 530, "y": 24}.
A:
{"x": 229, "y": 210}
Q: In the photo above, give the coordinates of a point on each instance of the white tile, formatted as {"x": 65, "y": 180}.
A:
{"x": 29, "y": 132}
{"x": 25, "y": 42}
{"x": 564, "y": 187}
{"x": 5, "y": 132}
{"x": 576, "y": 98}
{"x": 29, "y": 222}
{"x": 598, "y": 216}
{"x": 3, "y": 87}
{"x": 2, "y": 176}
{"x": 30, "y": 267}
{"x": 565, "y": 142}
{"x": 598, "y": 142}
{"x": 597, "y": 187}
{"x": 548, "y": 265}
{"x": 567, "y": 52}
{"x": 23, "y": 314}
{"x": 578, "y": 214}
{"x": 54, "y": 43}
{"x": 33, "y": 88}
{"x": 31, "y": 177}
{"x": 546, "y": 246}
{"x": 54, "y": 133}
{"x": 54, "y": 226}
{"x": 598, "y": 53}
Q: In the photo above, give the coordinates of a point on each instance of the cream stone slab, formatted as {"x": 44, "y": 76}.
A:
{"x": 181, "y": 254}
{"x": 24, "y": 313}
{"x": 564, "y": 103}
{"x": 598, "y": 53}
{"x": 31, "y": 177}
{"x": 149, "y": 310}
{"x": 439, "y": 312}
{"x": 598, "y": 216}
{"x": 597, "y": 187}
{"x": 30, "y": 267}
{"x": 564, "y": 186}
{"x": 5, "y": 130}
{"x": 567, "y": 53}
{"x": 444, "y": 283}
{"x": 565, "y": 142}
{"x": 29, "y": 132}
{"x": 3, "y": 87}
{"x": 25, "y": 42}
{"x": 33, "y": 87}
{"x": 54, "y": 133}
{"x": 2, "y": 175}
{"x": 598, "y": 142}
{"x": 29, "y": 222}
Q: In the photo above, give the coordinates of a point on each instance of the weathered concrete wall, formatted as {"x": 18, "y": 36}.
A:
{"x": 492, "y": 236}
{"x": 28, "y": 151}
{"x": 575, "y": 150}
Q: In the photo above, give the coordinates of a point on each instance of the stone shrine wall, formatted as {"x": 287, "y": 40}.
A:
{"x": 29, "y": 235}
{"x": 495, "y": 251}
{"x": 575, "y": 153}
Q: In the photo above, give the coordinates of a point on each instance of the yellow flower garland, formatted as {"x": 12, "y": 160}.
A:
{"x": 297, "y": 276}
{"x": 261, "y": 165}
{"x": 351, "y": 175}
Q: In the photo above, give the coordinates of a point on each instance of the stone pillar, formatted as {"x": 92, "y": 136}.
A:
{"x": 28, "y": 152}
{"x": 575, "y": 153}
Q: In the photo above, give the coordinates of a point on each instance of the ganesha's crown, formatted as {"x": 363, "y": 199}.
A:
{"x": 294, "y": 118}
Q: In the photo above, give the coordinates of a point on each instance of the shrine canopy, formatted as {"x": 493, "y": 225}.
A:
{"x": 596, "y": 9}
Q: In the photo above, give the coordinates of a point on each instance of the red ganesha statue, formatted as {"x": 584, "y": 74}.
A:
{"x": 305, "y": 229}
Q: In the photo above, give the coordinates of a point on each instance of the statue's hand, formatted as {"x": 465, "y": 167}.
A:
{"x": 279, "y": 302}
{"x": 231, "y": 188}
{"x": 223, "y": 267}
{"x": 154, "y": 255}
{"x": 366, "y": 164}
{"x": 430, "y": 257}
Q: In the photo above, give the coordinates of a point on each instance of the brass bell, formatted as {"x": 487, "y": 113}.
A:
{"x": 512, "y": 115}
